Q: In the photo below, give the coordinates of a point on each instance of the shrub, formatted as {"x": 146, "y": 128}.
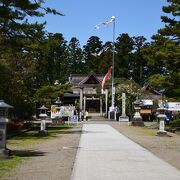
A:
{"x": 174, "y": 123}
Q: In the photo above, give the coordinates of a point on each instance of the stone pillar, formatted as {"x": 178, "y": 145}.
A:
{"x": 123, "y": 104}
{"x": 106, "y": 101}
{"x": 100, "y": 99}
{"x": 123, "y": 117}
{"x": 84, "y": 103}
{"x": 81, "y": 99}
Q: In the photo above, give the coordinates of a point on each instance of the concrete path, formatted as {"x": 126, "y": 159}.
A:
{"x": 105, "y": 154}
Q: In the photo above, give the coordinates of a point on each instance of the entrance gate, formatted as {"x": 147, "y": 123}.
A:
{"x": 93, "y": 106}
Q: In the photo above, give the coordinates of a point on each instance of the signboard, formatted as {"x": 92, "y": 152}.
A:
{"x": 147, "y": 102}
{"x": 73, "y": 119}
{"x": 62, "y": 111}
{"x": 173, "y": 106}
{"x": 145, "y": 111}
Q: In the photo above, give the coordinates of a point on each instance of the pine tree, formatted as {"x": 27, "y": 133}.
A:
{"x": 105, "y": 58}
{"x": 124, "y": 47}
{"x": 166, "y": 48}
{"x": 20, "y": 43}
{"x": 75, "y": 57}
{"x": 138, "y": 62}
{"x": 91, "y": 49}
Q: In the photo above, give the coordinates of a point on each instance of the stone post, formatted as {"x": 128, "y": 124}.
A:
{"x": 123, "y": 117}
{"x": 84, "y": 103}
{"x": 106, "y": 101}
{"x": 101, "y": 112}
{"x": 81, "y": 99}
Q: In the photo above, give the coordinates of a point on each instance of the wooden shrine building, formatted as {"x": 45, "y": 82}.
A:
{"x": 88, "y": 87}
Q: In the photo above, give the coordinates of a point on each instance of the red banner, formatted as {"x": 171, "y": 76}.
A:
{"x": 106, "y": 77}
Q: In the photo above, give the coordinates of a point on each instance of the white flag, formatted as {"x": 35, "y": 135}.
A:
{"x": 103, "y": 24}
{"x": 101, "y": 51}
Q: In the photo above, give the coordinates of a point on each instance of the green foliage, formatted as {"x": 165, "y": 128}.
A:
{"x": 157, "y": 81}
{"x": 132, "y": 91}
{"x": 163, "y": 54}
{"x": 46, "y": 93}
{"x": 23, "y": 49}
{"x": 32, "y": 59}
{"x": 7, "y": 165}
{"x": 105, "y": 58}
{"x": 124, "y": 47}
{"x": 172, "y": 28}
{"x": 129, "y": 87}
{"x": 51, "y": 60}
{"x": 93, "y": 46}
{"x": 175, "y": 123}
{"x": 75, "y": 57}
{"x": 138, "y": 62}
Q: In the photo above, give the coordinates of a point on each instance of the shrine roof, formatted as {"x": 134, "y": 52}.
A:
{"x": 86, "y": 78}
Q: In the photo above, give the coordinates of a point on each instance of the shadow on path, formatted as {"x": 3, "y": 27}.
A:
{"x": 28, "y": 153}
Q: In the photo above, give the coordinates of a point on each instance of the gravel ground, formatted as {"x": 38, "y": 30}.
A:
{"x": 54, "y": 159}
{"x": 166, "y": 148}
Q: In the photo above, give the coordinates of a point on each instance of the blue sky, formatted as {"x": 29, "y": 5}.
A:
{"x": 135, "y": 17}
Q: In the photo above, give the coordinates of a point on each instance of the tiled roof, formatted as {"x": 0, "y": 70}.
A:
{"x": 78, "y": 78}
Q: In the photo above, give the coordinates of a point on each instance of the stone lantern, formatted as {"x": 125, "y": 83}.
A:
{"x": 43, "y": 116}
{"x": 161, "y": 117}
{"x": 3, "y": 123}
{"x": 137, "y": 119}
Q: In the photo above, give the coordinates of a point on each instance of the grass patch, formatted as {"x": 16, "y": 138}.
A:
{"x": 154, "y": 125}
{"x": 32, "y": 137}
{"x": 7, "y": 165}
{"x": 143, "y": 130}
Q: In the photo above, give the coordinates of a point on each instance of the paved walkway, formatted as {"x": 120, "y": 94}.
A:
{"x": 105, "y": 154}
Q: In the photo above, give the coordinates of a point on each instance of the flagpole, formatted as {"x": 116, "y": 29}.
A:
{"x": 112, "y": 20}
{"x": 113, "y": 55}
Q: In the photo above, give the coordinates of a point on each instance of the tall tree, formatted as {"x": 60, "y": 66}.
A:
{"x": 60, "y": 56}
{"x": 138, "y": 63}
{"x": 166, "y": 49}
{"x": 172, "y": 24}
{"x": 18, "y": 41}
{"x": 51, "y": 62}
{"x": 105, "y": 58}
{"x": 75, "y": 57}
{"x": 91, "y": 49}
{"x": 124, "y": 47}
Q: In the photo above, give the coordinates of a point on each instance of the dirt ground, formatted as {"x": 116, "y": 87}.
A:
{"x": 54, "y": 159}
{"x": 166, "y": 148}
{"x": 51, "y": 160}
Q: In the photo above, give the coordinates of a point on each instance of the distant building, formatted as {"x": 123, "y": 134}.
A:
{"x": 87, "y": 88}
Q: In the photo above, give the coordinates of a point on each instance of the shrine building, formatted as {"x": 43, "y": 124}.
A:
{"x": 87, "y": 88}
